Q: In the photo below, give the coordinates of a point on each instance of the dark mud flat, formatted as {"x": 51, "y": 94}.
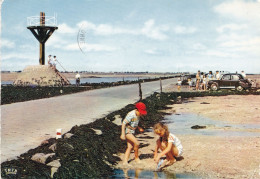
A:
{"x": 91, "y": 150}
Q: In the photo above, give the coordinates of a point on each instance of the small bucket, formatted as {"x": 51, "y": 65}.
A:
{"x": 58, "y": 133}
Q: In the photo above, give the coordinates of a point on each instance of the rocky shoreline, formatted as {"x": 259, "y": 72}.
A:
{"x": 93, "y": 150}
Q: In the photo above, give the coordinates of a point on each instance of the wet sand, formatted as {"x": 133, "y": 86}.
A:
{"x": 212, "y": 156}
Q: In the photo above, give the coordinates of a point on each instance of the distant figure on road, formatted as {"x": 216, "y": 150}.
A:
{"x": 129, "y": 125}
{"x": 210, "y": 76}
{"x": 54, "y": 62}
{"x": 217, "y": 75}
{"x": 179, "y": 84}
{"x": 190, "y": 84}
{"x": 50, "y": 61}
{"x": 77, "y": 79}
{"x": 243, "y": 74}
{"x": 198, "y": 80}
{"x": 204, "y": 82}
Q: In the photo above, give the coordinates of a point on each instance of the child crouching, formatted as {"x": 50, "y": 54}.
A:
{"x": 169, "y": 144}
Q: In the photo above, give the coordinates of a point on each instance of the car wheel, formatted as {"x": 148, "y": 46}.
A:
{"x": 239, "y": 88}
{"x": 214, "y": 87}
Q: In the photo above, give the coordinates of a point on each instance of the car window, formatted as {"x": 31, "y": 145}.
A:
{"x": 235, "y": 77}
{"x": 226, "y": 77}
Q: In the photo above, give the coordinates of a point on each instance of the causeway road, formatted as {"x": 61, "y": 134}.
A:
{"x": 25, "y": 125}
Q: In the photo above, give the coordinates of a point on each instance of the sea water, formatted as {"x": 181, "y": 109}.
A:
{"x": 93, "y": 80}
{"x": 181, "y": 123}
{"x": 105, "y": 79}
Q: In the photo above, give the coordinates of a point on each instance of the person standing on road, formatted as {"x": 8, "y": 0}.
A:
{"x": 77, "y": 79}
{"x": 198, "y": 80}
{"x": 179, "y": 84}
{"x": 50, "y": 61}
{"x": 130, "y": 124}
{"x": 54, "y": 62}
{"x": 217, "y": 75}
{"x": 243, "y": 74}
{"x": 210, "y": 76}
{"x": 190, "y": 84}
{"x": 204, "y": 82}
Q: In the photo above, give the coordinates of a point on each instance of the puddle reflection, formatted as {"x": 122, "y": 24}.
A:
{"x": 182, "y": 123}
{"x": 138, "y": 173}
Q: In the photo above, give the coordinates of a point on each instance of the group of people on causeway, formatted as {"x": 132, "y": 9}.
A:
{"x": 52, "y": 62}
{"x": 203, "y": 78}
{"x": 169, "y": 145}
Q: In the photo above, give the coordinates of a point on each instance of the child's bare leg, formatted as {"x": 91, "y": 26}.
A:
{"x": 171, "y": 155}
{"x": 127, "y": 152}
{"x": 131, "y": 138}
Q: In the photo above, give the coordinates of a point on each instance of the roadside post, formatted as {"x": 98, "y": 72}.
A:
{"x": 161, "y": 85}
{"x": 140, "y": 89}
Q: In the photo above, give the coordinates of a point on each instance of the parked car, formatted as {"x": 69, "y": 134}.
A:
{"x": 230, "y": 81}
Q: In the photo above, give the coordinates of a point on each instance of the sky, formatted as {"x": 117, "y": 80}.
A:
{"x": 136, "y": 35}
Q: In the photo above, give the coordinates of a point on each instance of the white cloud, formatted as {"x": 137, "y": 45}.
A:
{"x": 15, "y": 56}
{"x": 199, "y": 46}
{"x": 232, "y": 27}
{"x": 151, "y": 31}
{"x": 7, "y": 43}
{"x": 86, "y": 25}
{"x": 225, "y": 37}
{"x": 99, "y": 47}
{"x": 251, "y": 45}
{"x": 65, "y": 29}
{"x": 216, "y": 53}
{"x": 151, "y": 52}
{"x": 57, "y": 40}
{"x": 104, "y": 29}
{"x": 184, "y": 30}
{"x": 90, "y": 47}
{"x": 241, "y": 10}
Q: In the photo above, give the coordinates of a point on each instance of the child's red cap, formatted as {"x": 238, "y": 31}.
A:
{"x": 141, "y": 108}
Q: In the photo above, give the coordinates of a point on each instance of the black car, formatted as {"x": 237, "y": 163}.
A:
{"x": 230, "y": 81}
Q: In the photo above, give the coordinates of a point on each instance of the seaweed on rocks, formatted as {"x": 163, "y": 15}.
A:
{"x": 13, "y": 94}
{"x": 24, "y": 168}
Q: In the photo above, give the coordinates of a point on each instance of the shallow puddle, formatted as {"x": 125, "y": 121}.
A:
{"x": 132, "y": 174}
{"x": 181, "y": 124}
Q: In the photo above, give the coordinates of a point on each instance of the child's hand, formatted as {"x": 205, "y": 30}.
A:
{"x": 157, "y": 159}
{"x": 141, "y": 129}
{"x": 154, "y": 157}
{"x": 122, "y": 137}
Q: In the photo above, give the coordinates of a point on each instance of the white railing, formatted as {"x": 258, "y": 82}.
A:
{"x": 36, "y": 20}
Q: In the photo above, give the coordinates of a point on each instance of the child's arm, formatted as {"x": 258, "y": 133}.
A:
{"x": 123, "y": 131}
{"x": 165, "y": 151}
{"x": 155, "y": 151}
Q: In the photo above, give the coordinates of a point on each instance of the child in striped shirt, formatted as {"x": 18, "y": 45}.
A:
{"x": 130, "y": 124}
